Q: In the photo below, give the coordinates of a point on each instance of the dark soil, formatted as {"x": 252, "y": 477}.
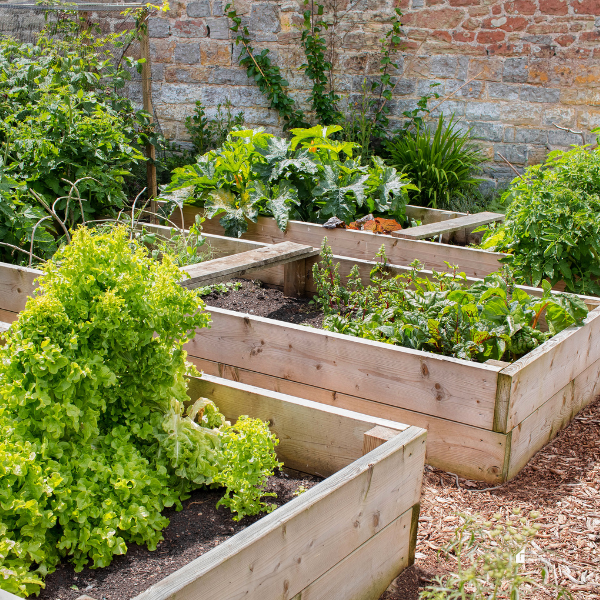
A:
{"x": 196, "y": 529}
{"x": 255, "y": 298}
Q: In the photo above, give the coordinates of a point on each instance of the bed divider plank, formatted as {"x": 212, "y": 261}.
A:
{"x": 434, "y": 229}
{"x": 437, "y": 385}
{"x": 243, "y": 263}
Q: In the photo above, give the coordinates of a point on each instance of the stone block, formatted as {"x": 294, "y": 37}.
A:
{"x": 186, "y": 54}
{"x": 501, "y": 91}
{"x": 489, "y": 132}
{"x": 220, "y": 76}
{"x": 450, "y": 107}
{"x": 218, "y": 8}
{"x": 173, "y": 93}
{"x": 526, "y": 135}
{"x": 424, "y": 87}
{"x": 559, "y": 115}
{"x": 501, "y": 172}
{"x": 443, "y": 66}
{"x": 218, "y": 28}
{"x": 462, "y": 67}
{"x": 216, "y": 53}
{"x": 530, "y": 93}
{"x": 521, "y": 113}
{"x": 198, "y": 9}
{"x": 159, "y": 27}
{"x": 264, "y": 18}
{"x": 157, "y": 72}
{"x": 558, "y": 137}
{"x": 516, "y": 155}
{"x": 485, "y": 69}
{"x": 588, "y": 119}
{"x": 472, "y": 89}
{"x": 190, "y": 28}
{"x": 482, "y": 111}
{"x": 515, "y": 70}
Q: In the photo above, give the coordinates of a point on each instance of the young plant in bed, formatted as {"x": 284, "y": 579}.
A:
{"x": 96, "y": 439}
{"x": 311, "y": 177}
{"x": 491, "y": 319}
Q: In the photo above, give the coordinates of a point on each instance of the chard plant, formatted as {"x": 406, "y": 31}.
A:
{"x": 95, "y": 436}
{"x": 491, "y": 319}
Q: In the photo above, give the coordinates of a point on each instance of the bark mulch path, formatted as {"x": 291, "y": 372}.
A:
{"x": 562, "y": 482}
{"x": 196, "y": 529}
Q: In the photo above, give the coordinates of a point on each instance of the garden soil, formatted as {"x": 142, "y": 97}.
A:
{"x": 198, "y": 528}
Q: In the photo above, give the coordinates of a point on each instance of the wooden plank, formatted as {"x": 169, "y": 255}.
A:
{"x": 365, "y": 245}
{"x": 536, "y": 430}
{"x": 284, "y": 552}
{"x": 294, "y": 278}
{"x": 441, "y": 386}
{"x": 431, "y": 215}
{"x": 435, "y": 229}
{"x": 16, "y": 285}
{"x": 314, "y": 438}
{"x": 471, "y": 452}
{"x": 375, "y": 437}
{"x": 367, "y": 572}
{"x": 548, "y": 368}
{"x": 223, "y": 269}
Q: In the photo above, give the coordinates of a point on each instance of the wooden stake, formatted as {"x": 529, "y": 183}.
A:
{"x": 147, "y": 99}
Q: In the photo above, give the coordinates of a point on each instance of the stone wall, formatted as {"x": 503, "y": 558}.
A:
{"x": 518, "y": 69}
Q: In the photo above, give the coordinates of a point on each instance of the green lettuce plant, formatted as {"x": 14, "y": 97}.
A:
{"x": 95, "y": 439}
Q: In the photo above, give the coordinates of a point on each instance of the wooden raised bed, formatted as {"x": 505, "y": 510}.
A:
{"x": 485, "y": 421}
{"x": 364, "y": 245}
{"x": 347, "y": 537}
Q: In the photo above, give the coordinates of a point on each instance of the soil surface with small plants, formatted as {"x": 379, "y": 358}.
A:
{"x": 257, "y": 299}
{"x": 198, "y": 528}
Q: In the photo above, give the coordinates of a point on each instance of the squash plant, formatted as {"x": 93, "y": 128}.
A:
{"x": 491, "y": 319}
{"x": 310, "y": 177}
{"x": 95, "y": 439}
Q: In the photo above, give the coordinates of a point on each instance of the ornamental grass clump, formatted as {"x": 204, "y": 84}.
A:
{"x": 95, "y": 437}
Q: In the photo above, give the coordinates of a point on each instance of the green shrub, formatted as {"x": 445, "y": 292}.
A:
{"x": 62, "y": 120}
{"x": 310, "y": 177}
{"x": 94, "y": 437}
{"x": 552, "y": 226}
{"x": 440, "y": 162}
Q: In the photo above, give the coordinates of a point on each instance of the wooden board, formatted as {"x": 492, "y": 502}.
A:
{"x": 472, "y": 452}
{"x": 536, "y": 430}
{"x": 530, "y": 381}
{"x": 286, "y": 551}
{"x": 440, "y": 386}
{"x": 235, "y": 265}
{"x": 314, "y": 438}
{"x": 361, "y": 575}
{"x": 16, "y": 285}
{"x": 435, "y": 229}
{"x": 365, "y": 245}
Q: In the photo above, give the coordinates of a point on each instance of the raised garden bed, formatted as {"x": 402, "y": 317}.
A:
{"x": 364, "y": 245}
{"x": 348, "y": 536}
{"x": 485, "y": 420}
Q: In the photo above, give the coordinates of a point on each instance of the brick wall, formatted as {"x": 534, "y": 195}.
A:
{"x": 533, "y": 65}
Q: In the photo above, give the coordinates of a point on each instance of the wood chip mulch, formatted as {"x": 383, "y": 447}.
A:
{"x": 562, "y": 482}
